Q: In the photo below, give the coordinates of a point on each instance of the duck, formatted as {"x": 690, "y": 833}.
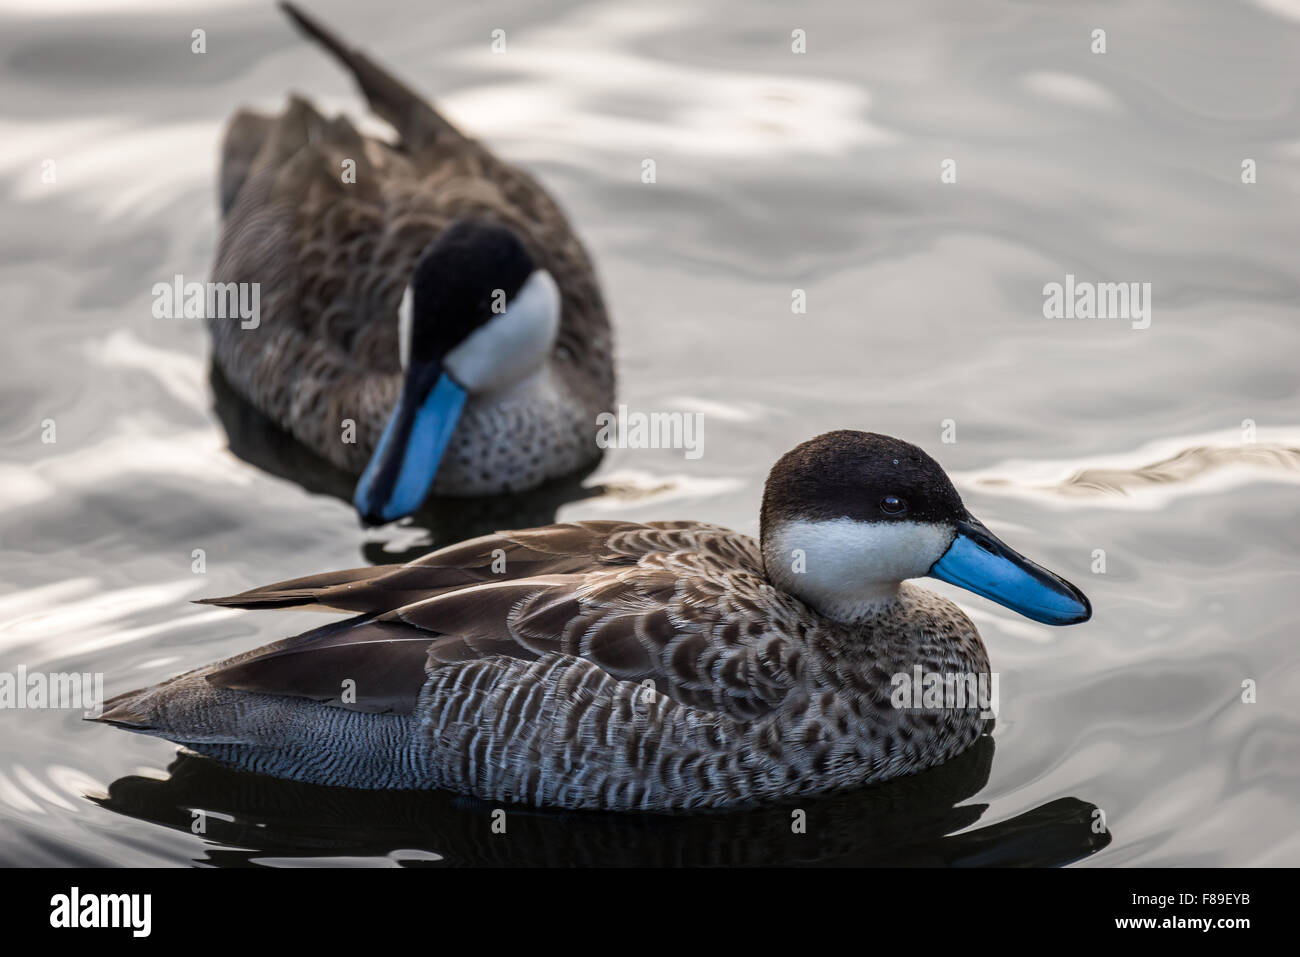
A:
{"x": 428, "y": 321}
{"x": 662, "y": 666}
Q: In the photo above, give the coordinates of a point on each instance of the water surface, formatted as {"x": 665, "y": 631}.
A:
{"x": 776, "y": 172}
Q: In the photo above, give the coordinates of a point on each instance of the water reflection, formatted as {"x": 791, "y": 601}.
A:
{"x": 1152, "y": 476}
{"x": 260, "y": 442}
{"x": 253, "y": 820}
{"x": 776, "y": 171}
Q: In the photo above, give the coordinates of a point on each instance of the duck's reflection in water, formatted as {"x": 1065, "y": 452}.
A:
{"x": 261, "y": 443}
{"x": 910, "y": 821}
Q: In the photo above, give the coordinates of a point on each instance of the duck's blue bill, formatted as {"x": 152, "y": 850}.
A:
{"x": 979, "y": 561}
{"x": 402, "y": 469}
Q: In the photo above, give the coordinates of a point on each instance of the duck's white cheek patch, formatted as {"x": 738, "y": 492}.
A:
{"x": 843, "y": 558}
{"x": 513, "y": 344}
{"x": 404, "y": 321}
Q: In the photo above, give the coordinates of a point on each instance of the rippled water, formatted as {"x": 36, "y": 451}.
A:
{"x": 775, "y": 172}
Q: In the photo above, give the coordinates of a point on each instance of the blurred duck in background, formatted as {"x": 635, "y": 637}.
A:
{"x": 428, "y": 322}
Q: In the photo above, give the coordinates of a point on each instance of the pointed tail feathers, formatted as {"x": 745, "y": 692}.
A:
{"x": 415, "y": 120}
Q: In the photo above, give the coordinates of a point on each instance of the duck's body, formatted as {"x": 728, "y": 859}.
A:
{"x": 333, "y": 225}
{"x": 611, "y": 665}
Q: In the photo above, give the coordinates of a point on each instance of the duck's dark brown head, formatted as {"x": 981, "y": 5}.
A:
{"x": 849, "y": 515}
{"x": 478, "y": 318}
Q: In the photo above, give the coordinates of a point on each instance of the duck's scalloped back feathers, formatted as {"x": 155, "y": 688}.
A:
{"x": 411, "y": 116}
{"x": 627, "y": 621}
{"x": 634, "y": 599}
{"x": 530, "y": 553}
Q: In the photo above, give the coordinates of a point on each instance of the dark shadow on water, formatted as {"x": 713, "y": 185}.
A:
{"x": 261, "y": 443}
{"x": 908, "y": 822}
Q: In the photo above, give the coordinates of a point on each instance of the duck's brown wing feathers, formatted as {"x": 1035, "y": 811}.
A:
{"x": 562, "y": 549}
{"x": 681, "y": 605}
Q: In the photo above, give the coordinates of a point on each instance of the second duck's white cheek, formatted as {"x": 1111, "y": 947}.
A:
{"x": 514, "y": 344}
{"x": 844, "y": 557}
{"x": 404, "y": 321}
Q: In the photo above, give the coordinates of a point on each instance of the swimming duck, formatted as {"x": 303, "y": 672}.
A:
{"x": 427, "y": 318}
{"x": 633, "y": 666}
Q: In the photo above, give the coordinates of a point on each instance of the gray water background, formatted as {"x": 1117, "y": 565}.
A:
{"x": 775, "y": 172}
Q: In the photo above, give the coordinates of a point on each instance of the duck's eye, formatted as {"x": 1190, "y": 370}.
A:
{"x": 892, "y": 504}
